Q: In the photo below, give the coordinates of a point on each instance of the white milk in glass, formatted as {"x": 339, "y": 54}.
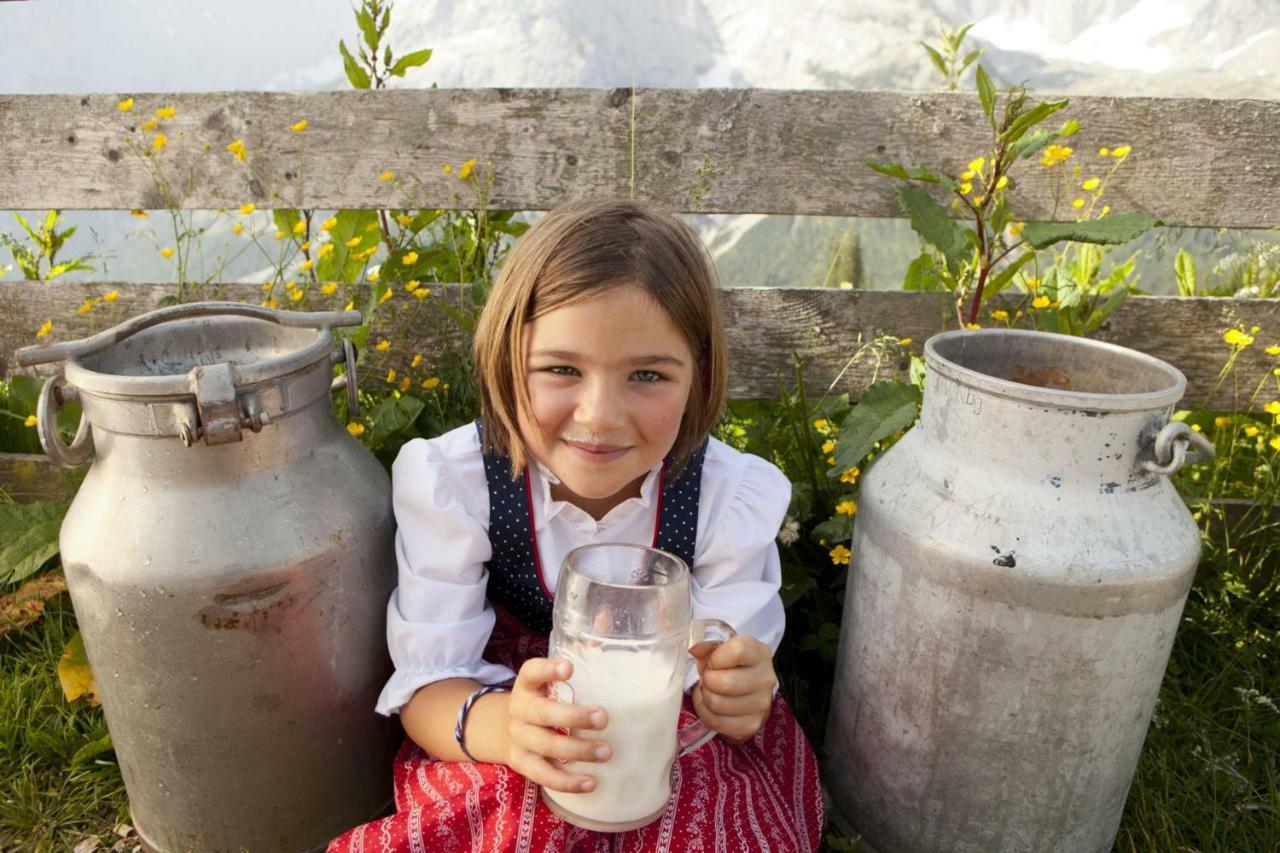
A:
{"x": 641, "y": 692}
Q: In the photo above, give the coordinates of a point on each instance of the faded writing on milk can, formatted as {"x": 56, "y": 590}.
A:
{"x": 1020, "y": 563}
{"x": 229, "y": 557}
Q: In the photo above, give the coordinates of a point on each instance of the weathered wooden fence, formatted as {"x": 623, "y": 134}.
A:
{"x": 1196, "y": 162}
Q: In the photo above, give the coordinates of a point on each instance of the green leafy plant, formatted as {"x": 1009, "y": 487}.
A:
{"x": 375, "y": 62}
{"x": 976, "y": 262}
{"x": 38, "y": 258}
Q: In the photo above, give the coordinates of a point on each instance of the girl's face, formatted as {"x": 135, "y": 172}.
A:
{"x": 608, "y": 380}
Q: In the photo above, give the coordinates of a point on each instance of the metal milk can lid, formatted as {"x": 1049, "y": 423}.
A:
{"x": 200, "y": 371}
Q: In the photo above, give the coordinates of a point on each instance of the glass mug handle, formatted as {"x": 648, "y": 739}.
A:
{"x": 696, "y": 733}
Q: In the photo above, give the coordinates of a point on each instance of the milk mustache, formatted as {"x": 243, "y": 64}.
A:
{"x": 641, "y": 690}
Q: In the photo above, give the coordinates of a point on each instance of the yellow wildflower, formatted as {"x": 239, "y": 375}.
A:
{"x": 138, "y": 214}
{"x": 1103, "y": 152}
{"x": 831, "y": 460}
{"x": 86, "y": 306}
{"x": 822, "y": 425}
{"x": 978, "y": 199}
{"x": 966, "y": 176}
{"x": 291, "y": 284}
{"x": 159, "y": 142}
{"x": 422, "y": 293}
{"x": 1032, "y": 284}
{"x": 1122, "y": 151}
{"x": 355, "y": 429}
{"x": 353, "y": 242}
{"x": 298, "y": 295}
{"x": 411, "y": 285}
{"x": 267, "y": 285}
{"x": 305, "y": 247}
{"x": 373, "y": 277}
{"x": 387, "y": 176}
{"x": 30, "y": 421}
{"x": 306, "y": 265}
{"x": 972, "y": 326}
{"x": 404, "y": 219}
{"x": 1237, "y": 338}
{"x": 840, "y": 555}
{"x": 349, "y": 306}
{"x": 906, "y": 342}
{"x": 383, "y": 345}
{"x": 280, "y": 235}
{"x": 1091, "y": 184}
{"x": 372, "y": 226}
{"x": 828, "y": 446}
{"x": 149, "y": 124}
{"x": 386, "y": 294}
{"x": 430, "y": 383}
{"x": 271, "y": 302}
{"x": 417, "y": 359}
{"x": 1077, "y": 203}
{"x": 1272, "y": 408}
{"x": 1274, "y": 349}
{"x": 1251, "y": 431}
{"x": 966, "y": 188}
{"x": 328, "y": 224}
{"x": 166, "y": 112}
{"x": 325, "y": 251}
{"x": 1221, "y": 421}
{"x": 111, "y": 297}
{"x": 977, "y": 164}
{"x": 237, "y": 148}
{"x": 1055, "y": 154}
{"x": 1040, "y": 302}
{"x": 846, "y": 507}
{"x": 447, "y": 169}
{"x": 1002, "y": 182}
{"x": 1275, "y": 443}
{"x": 1015, "y": 228}
{"x": 299, "y": 226}
{"x": 237, "y": 228}
{"x": 166, "y": 252}
{"x": 391, "y": 374}
{"x": 1000, "y": 315}
{"x": 299, "y": 126}
{"x": 464, "y": 171}
{"x": 1106, "y": 208}
{"x": 409, "y": 258}
{"x": 125, "y": 105}
{"x": 405, "y": 382}
{"x": 850, "y": 476}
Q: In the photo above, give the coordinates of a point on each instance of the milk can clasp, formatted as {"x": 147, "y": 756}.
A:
{"x": 216, "y": 404}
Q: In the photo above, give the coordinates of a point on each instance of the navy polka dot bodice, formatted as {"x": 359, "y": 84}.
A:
{"x": 515, "y": 572}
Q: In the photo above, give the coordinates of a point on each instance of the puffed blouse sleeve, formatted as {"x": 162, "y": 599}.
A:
{"x": 737, "y": 573}
{"x": 438, "y": 620}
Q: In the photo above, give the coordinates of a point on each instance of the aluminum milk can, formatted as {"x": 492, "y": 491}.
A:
{"x": 229, "y": 557}
{"x": 1020, "y": 564}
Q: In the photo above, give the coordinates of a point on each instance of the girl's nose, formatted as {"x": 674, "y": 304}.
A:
{"x": 599, "y": 407}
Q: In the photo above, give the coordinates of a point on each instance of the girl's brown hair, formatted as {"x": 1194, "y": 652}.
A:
{"x": 578, "y": 251}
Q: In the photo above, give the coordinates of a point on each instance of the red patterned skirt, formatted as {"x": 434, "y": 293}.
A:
{"x": 763, "y": 795}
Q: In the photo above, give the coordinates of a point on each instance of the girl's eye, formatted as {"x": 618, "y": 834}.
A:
{"x": 562, "y": 370}
{"x": 648, "y": 376}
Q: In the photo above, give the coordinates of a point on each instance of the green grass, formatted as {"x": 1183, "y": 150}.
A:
{"x": 48, "y": 799}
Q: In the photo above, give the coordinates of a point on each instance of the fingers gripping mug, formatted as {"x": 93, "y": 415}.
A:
{"x": 622, "y": 616}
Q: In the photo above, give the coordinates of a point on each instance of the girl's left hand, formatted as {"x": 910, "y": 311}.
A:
{"x": 735, "y": 694}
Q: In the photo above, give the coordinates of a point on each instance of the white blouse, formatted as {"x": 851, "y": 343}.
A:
{"x": 438, "y": 620}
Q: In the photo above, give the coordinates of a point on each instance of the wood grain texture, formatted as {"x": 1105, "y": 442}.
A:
{"x": 766, "y": 325}
{"x": 1205, "y": 162}
{"x": 30, "y": 477}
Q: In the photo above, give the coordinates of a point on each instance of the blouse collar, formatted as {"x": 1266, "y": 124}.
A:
{"x": 543, "y": 479}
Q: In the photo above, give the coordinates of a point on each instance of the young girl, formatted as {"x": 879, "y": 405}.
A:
{"x": 600, "y": 359}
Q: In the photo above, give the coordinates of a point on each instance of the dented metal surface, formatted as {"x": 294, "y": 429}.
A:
{"x": 1018, "y": 575}
{"x": 232, "y": 593}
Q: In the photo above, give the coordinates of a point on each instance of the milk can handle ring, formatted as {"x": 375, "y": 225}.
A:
{"x": 348, "y": 378}
{"x": 696, "y": 733}
{"x": 43, "y": 354}
{"x": 51, "y": 400}
{"x": 1170, "y": 448}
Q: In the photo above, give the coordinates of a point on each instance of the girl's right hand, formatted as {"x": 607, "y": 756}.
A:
{"x": 534, "y": 748}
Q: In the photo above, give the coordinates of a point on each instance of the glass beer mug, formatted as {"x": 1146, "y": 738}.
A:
{"x": 622, "y": 616}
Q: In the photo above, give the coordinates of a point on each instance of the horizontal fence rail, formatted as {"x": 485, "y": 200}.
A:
{"x": 766, "y": 325}
{"x": 1202, "y": 162}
